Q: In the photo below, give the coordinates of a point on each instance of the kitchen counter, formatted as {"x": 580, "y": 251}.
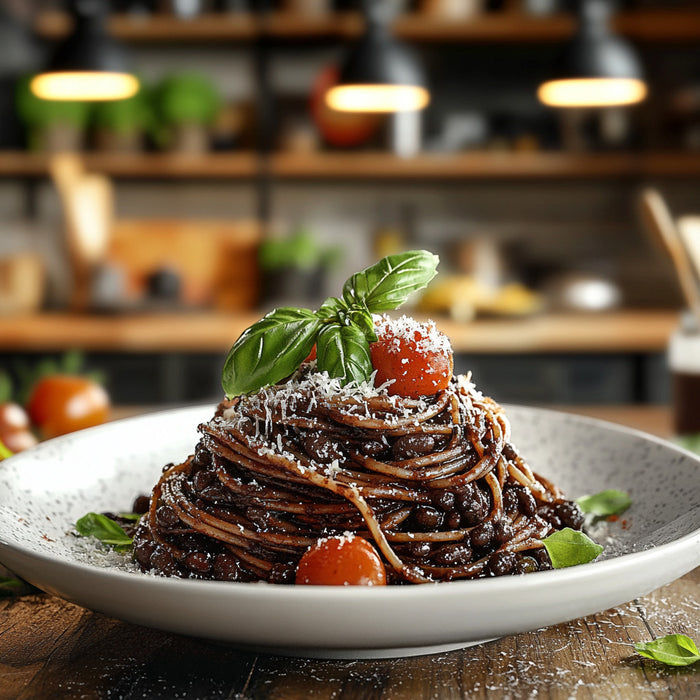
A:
{"x": 52, "y": 648}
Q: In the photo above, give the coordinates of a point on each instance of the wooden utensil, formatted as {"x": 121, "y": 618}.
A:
{"x": 659, "y": 222}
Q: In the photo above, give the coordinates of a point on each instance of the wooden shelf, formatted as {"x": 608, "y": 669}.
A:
{"x": 147, "y": 165}
{"x": 614, "y": 332}
{"x": 651, "y": 25}
{"x": 481, "y": 165}
{"x": 368, "y": 165}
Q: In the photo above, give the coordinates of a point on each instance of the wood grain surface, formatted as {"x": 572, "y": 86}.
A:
{"x": 50, "y": 648}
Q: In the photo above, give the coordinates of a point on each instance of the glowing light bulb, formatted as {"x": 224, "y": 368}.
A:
{"x": 377, "y": 98}
{"x": 84, "y": 85}
{"x": 592, "y": 92}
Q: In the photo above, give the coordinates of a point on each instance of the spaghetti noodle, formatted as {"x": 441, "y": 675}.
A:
{"x": 434, "y": 483}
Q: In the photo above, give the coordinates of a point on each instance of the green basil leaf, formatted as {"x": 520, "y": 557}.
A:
{"x": 103, "y": 528}
{"x": 343, "y": 352}
{"x": 10, "y": 586}
{"x": 609, "y": 502}
{"x": 333, "y": 309}
{"x": 672, "y": 650}
{"x": 130, "y": 516}
{"x": 388, "y": 283}
{"x": 360, "y": 317}
{"x": 570, "y": 547}
{"x": 4, "y": 452}
{"x": 269, "y": 350}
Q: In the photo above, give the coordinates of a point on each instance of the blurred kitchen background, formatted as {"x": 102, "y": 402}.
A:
{"x": 148, "y": 233}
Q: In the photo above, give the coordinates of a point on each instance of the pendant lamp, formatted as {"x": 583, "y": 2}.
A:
{"x": 88, "y": 65}
{"x": 598, "y": 68}
{"x": 380, "y": 74}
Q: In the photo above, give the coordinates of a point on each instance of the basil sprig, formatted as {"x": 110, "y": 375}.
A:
{"x": 104, "y": 529}
{"x": 605, "y": 503}
{"x": 342, "y": 328}
{"x": 672, "y": 650}
{"x": 570, "y": 547}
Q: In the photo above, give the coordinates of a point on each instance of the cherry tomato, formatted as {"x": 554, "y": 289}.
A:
{"x": 312, "y": 355}
{"x": 418, "y": 358}
{"x": 341, "y": 561}
{"x": 15, "y": 431}
{"x": 62, "y": 403}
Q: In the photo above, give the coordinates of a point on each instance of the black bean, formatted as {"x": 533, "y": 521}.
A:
{"x": 166, "y": 517}
{"x": 549, "y": 514}
{"x": 162, "y": 560}
{"x": 214, "y": 492}
{"x": 543, "y": 559}
{"x": 570, "y": 515}
{"x": 474, "y": 506}
{"x": 482, "y": 535}
{"x": 282, "y": 573}
{"x": 510, "y": 500}
{"x": 202, "y": 456}
{"x": 444, "y": 500}
{"x": 527, "y": 565}
{"x": 502, "y": 532}
{"x": 202, "y": 479}
{"x": 527, "y": 502}
{"x": 199, "y": 562}
{"x": 453, "y": 520}
{"x": 373, "y": 448}
{"x": 143, "y": 551}
{"x": 409, "y": 446}
{"x": 321, "y": 448}
{"x": 140, "y": 504}
{"x": 427, "y": 517}
{"x": 501, "y": 563}
{"x": 227, "y": 568}
{"x": 418, "y": 550}
{"x": 453, "y": 554}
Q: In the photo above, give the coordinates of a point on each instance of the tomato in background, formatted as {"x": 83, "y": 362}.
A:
{"x": 62, "y": 403}
{"x": 341, "y": 561}
{"x": 343, "y": 129}
{"x": 15, "y": 430}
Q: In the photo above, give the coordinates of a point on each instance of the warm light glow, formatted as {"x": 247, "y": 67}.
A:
{"x": 377, "y": 98}
{"x": 592, "y": 92}
{"x": 86, "y": 85}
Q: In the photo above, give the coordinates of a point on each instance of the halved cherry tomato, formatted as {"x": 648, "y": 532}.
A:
{"x": 62, "y": 403}
{"x": 15, "y": 431}
{"x": 417, "y": 366}
{"x": 341, "y": 561}
{"x": 312, "y": 355}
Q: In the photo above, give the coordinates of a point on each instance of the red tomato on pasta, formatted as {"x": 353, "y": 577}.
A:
{"x": 417, "y": 357}
{"x": 341, "y": 561}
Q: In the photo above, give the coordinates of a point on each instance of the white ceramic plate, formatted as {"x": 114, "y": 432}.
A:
{"x": 43, "y": 491}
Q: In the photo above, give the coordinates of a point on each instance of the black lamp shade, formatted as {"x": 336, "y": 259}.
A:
{"x": 598, "y": 68}
{"x": 88, "y": 65}
{"x": 380, "y": 74}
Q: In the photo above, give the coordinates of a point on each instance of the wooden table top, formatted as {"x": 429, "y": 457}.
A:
{"x": 50, "y": 648}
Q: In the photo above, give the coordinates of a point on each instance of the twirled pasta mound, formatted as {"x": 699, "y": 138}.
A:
{"x": 433, "y": 483}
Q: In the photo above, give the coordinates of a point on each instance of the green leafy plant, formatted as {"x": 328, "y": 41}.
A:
{"x": 342, "y": 328}
{"x": 570, "y": 547}
{"x": 186, "y": 98}
{"x": 133, "y": 114}
{"x": 671, "y": 650}
{"x": 104, "y": 529}
{"x": 35, "y": 112}
{"x": 605, "y": 503}
{"x": 300, "y": 250}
